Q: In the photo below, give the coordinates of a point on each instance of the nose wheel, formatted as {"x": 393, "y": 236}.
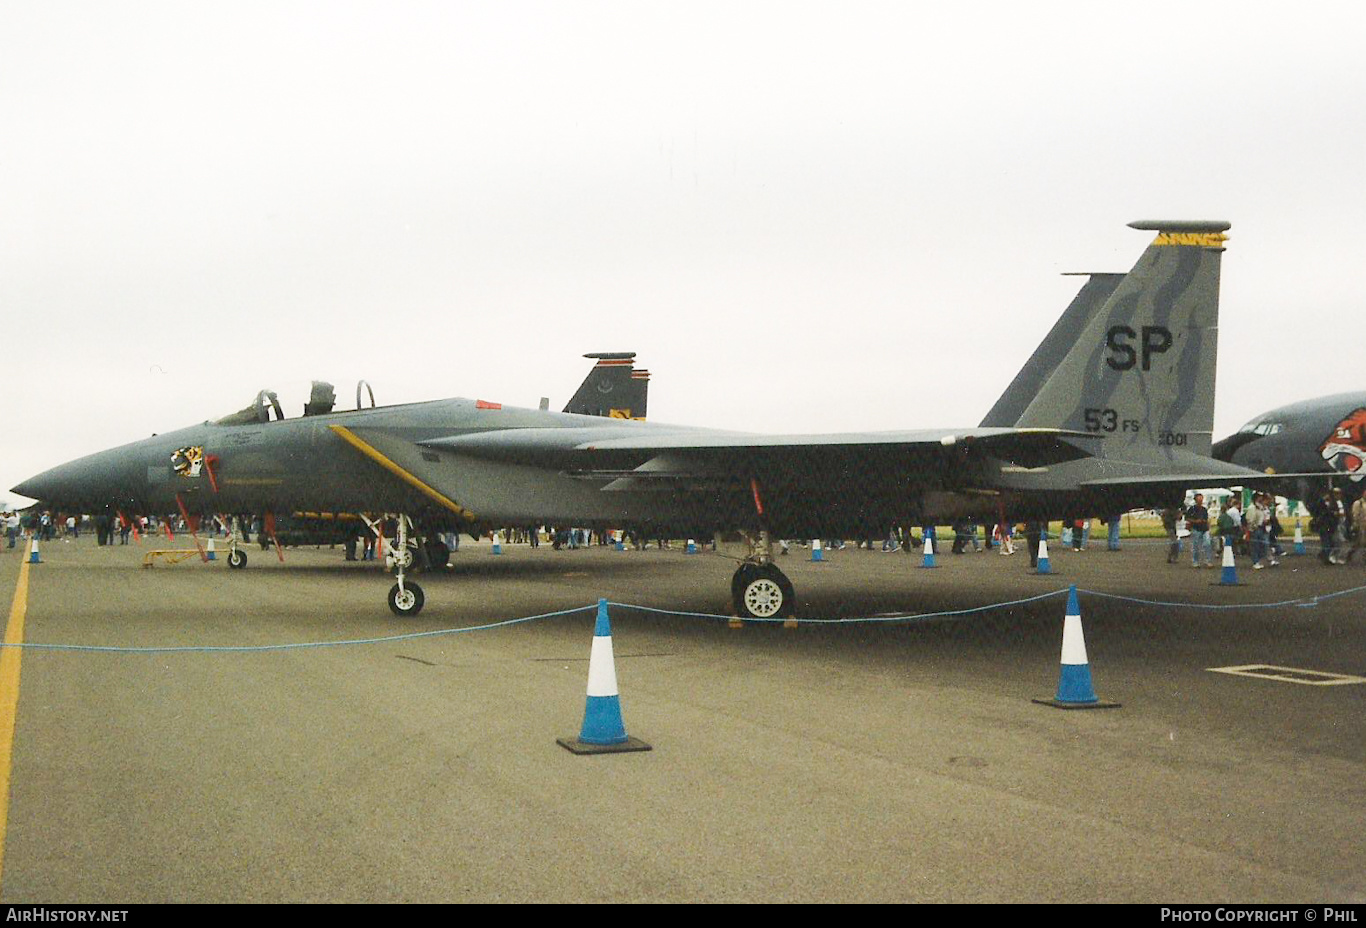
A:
{"x": 406, "y": 599}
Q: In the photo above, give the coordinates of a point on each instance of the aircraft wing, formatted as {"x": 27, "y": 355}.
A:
{"x": 571, "y": 447}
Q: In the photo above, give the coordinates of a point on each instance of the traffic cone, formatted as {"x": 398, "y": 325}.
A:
{"x": 928, "y": 559}
{"x": 33, "y": 557}
{"x": 497, "y": 543}
{"x": 817, "y": 550}
{"x": 1043, "y": 566}
{"x": 1229, "y": 576}
{"x": 603, "y": 731}
{"x": 211, "y": 556}
{"x": 1074, "y": 683}
{"x": 1299, "y": 538}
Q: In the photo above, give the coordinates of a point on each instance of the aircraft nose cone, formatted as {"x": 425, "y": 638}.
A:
{"x": 85, "y": 484}
{"x": 47, "y": 487}
{"x": 32, "y": 488}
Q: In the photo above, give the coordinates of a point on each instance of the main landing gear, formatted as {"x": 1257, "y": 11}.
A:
{"x": 759, "y": 590}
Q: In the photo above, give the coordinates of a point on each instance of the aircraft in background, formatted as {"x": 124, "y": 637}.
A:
{"x": 1317, "y": 444}
{"x": 614, "y": 388}
{"x": 1122, "y": 421}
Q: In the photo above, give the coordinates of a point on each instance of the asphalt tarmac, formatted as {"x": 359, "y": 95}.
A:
{"x": 833, "y": 762}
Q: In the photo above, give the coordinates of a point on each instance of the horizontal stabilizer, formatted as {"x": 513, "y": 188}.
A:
{"x": 1246, "y": 478}
{"x": 1181, "y": 225}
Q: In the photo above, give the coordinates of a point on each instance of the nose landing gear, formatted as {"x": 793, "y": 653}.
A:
{"x": 405, "y": 596}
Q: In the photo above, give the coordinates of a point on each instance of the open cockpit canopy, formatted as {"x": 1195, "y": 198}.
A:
{"x": 266, "y": 407}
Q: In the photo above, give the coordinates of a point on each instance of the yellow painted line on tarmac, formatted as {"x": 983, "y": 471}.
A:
{"x": 9, "y": 698}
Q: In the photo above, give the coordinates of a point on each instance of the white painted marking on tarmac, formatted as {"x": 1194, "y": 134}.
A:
{"x": 1289, "y": 674}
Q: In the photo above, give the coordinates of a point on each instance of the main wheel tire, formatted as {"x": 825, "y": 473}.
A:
{"x": 408, "y": 602}
{"x": 762, "y": 592}
{"x": 237, "y": 559}
{"x": 744, "y": 575}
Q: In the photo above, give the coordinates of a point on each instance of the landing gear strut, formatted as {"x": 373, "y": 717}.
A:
{"x": 405, "y": 597}
{"x": 237, "y": 558}
{"x": 759, "y": 590}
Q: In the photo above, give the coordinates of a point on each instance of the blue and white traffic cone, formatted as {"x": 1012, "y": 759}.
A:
{"x": 927, "y": 559}
{"x": 1043, "y": 566}
{"x": 691, "y": 547}
{"x": 1075, "y": 690}
{"x": 1229, "y": 576}
{"x": 603, "y": 730}
{"x": 210, "y": 555}
{"x": 33, "y": 557}
{"x": 1299, "y": 538}
{"x": 497, "y": 543}
{"x": 817, "y": 550}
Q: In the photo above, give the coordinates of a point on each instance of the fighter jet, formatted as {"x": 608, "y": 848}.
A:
{"x": 1122, "y": 420}
{"x": 1324, "y": 436}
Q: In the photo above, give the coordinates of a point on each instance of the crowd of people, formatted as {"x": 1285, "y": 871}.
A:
{"x": 1255, "y": 531}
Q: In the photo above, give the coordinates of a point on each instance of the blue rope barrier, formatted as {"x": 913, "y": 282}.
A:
{"x": 34, "y": 646}
{"x": 1302, "y": 602}
{"x": 906, "y": 619}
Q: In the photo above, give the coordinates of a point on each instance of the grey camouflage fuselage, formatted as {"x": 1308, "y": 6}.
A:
{"x": 1122, "y": 420}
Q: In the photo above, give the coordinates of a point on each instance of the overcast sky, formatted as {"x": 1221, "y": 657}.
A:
{"x": 802, "y": 216}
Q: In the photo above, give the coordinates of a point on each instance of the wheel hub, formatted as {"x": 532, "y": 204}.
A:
{"x": 764, "y": 598}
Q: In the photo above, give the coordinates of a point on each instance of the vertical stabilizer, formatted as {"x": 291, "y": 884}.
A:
{"x": 1141, "y": 372}
{"x": 1055, "y": 346}
{"x": 613, "y": 388}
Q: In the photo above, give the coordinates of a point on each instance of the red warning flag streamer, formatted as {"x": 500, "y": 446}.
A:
{"x": 268, "y": 523}
{"x": 190, "y": 524}
{"x": 209, "y": 461}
